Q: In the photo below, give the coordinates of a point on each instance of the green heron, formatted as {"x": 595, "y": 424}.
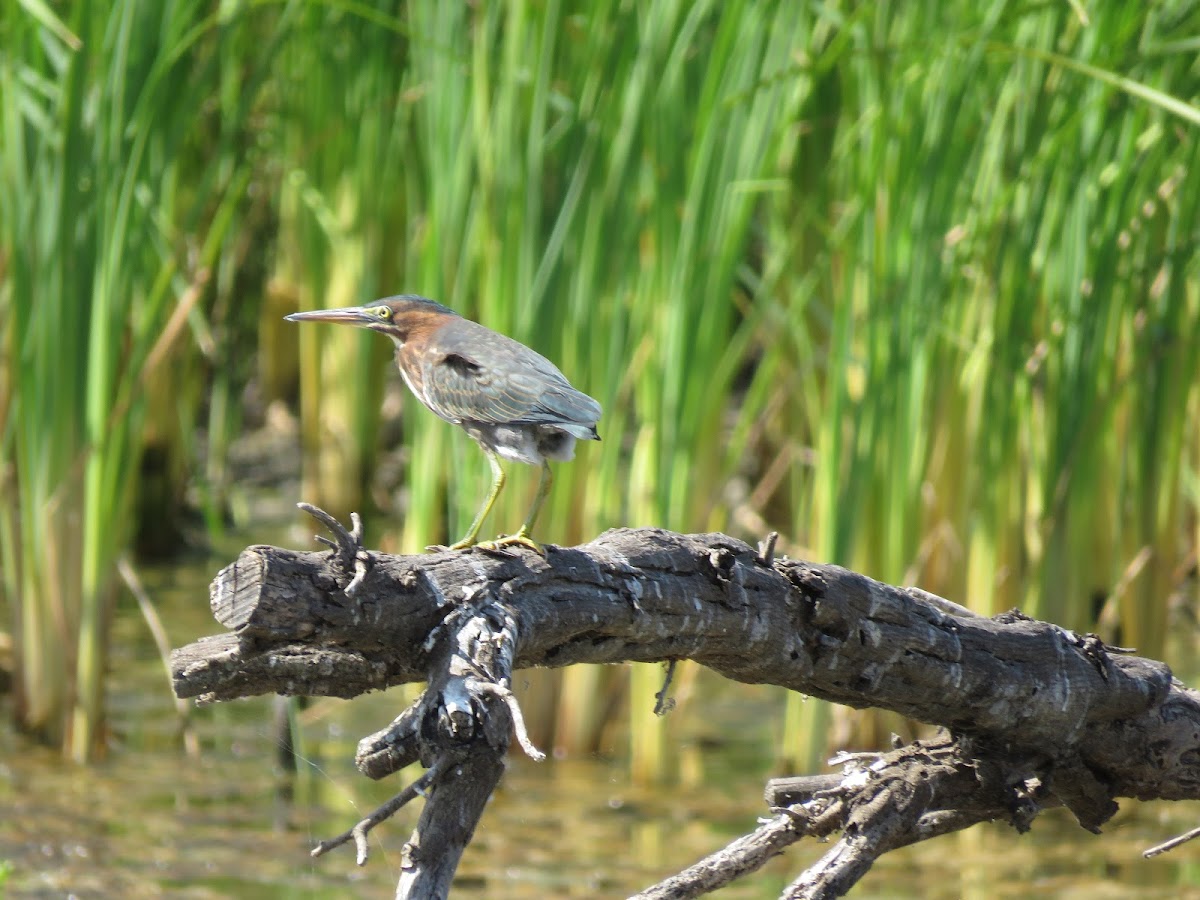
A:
{"x": 513, "y": 402}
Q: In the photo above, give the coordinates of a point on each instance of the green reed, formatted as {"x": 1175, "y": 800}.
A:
{"x": 108, "y": 235}
{"x": 990, "y": 239}
{"x": 914, "y": 285}
{"x": 594, "y": 198}
{"x": 341, "y": 215}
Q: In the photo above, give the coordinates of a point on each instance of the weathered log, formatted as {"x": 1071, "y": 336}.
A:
{"x": 1037, "y": 715}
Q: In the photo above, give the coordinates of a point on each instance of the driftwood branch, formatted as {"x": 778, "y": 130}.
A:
{"x": 1035, "y": 715}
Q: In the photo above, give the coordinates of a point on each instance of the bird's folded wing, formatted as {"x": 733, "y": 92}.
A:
{"x": 499, "y": 381}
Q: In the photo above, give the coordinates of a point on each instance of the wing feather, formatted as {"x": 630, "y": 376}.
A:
{"x": 475, "y": 374}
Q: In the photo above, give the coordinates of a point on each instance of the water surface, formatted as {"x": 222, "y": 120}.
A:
{"x": 151, "y": 822}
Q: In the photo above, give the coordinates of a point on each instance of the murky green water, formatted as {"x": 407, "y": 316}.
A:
{"x": 150, "y": 822}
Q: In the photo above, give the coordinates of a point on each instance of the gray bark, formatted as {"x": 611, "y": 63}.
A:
{"x": 1036, "y": 715}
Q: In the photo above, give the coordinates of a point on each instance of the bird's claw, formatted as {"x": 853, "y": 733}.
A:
{"x": 520, "y": 539}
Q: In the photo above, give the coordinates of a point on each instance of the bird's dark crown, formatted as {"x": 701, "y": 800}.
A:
{"x": 406, "y": 303}
{"x": 399, "y": 315}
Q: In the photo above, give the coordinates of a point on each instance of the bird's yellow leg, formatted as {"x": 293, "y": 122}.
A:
{"x": 469, "y": 539}
{"x": 539, "y": 498}
{"x": 522, "y": 537}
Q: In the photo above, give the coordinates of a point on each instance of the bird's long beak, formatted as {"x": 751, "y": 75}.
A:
{"x": 346, "y": 315}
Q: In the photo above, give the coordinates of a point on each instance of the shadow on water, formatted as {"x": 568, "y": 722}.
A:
{"x": 150, "y": 822}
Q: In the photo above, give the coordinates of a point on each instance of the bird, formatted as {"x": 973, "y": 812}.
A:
{"x": 512, "y": 401}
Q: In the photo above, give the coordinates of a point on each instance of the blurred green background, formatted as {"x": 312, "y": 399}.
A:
{"x": 916, "y": 285}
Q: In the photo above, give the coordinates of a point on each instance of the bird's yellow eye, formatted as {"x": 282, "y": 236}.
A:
{"x": 384, "y": 312}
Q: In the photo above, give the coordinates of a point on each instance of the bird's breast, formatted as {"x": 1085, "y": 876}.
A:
{"x": 413, "y": 376}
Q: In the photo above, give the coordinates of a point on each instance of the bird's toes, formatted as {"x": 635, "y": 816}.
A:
{"x": 513, "y": 540}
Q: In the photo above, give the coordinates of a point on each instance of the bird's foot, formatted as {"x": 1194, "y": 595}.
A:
{"x": 520, "y": 539}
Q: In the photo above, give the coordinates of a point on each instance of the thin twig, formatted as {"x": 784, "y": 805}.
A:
{"x": 662, "y": 703}
{"x": 845, "y": 756}
{"x": 746, "y": 854}
{"x": 359, "y": 832}
{"x": 348, "y": 545}
{"x": 514, "y": 709}
{"x": 1171, "y": 844}
{"x": 361, "y": 567}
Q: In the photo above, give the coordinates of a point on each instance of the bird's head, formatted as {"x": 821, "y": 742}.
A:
{"x": 397, "y": 317}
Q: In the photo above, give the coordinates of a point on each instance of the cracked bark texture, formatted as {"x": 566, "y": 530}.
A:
{"x": 1055, "y": 716}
